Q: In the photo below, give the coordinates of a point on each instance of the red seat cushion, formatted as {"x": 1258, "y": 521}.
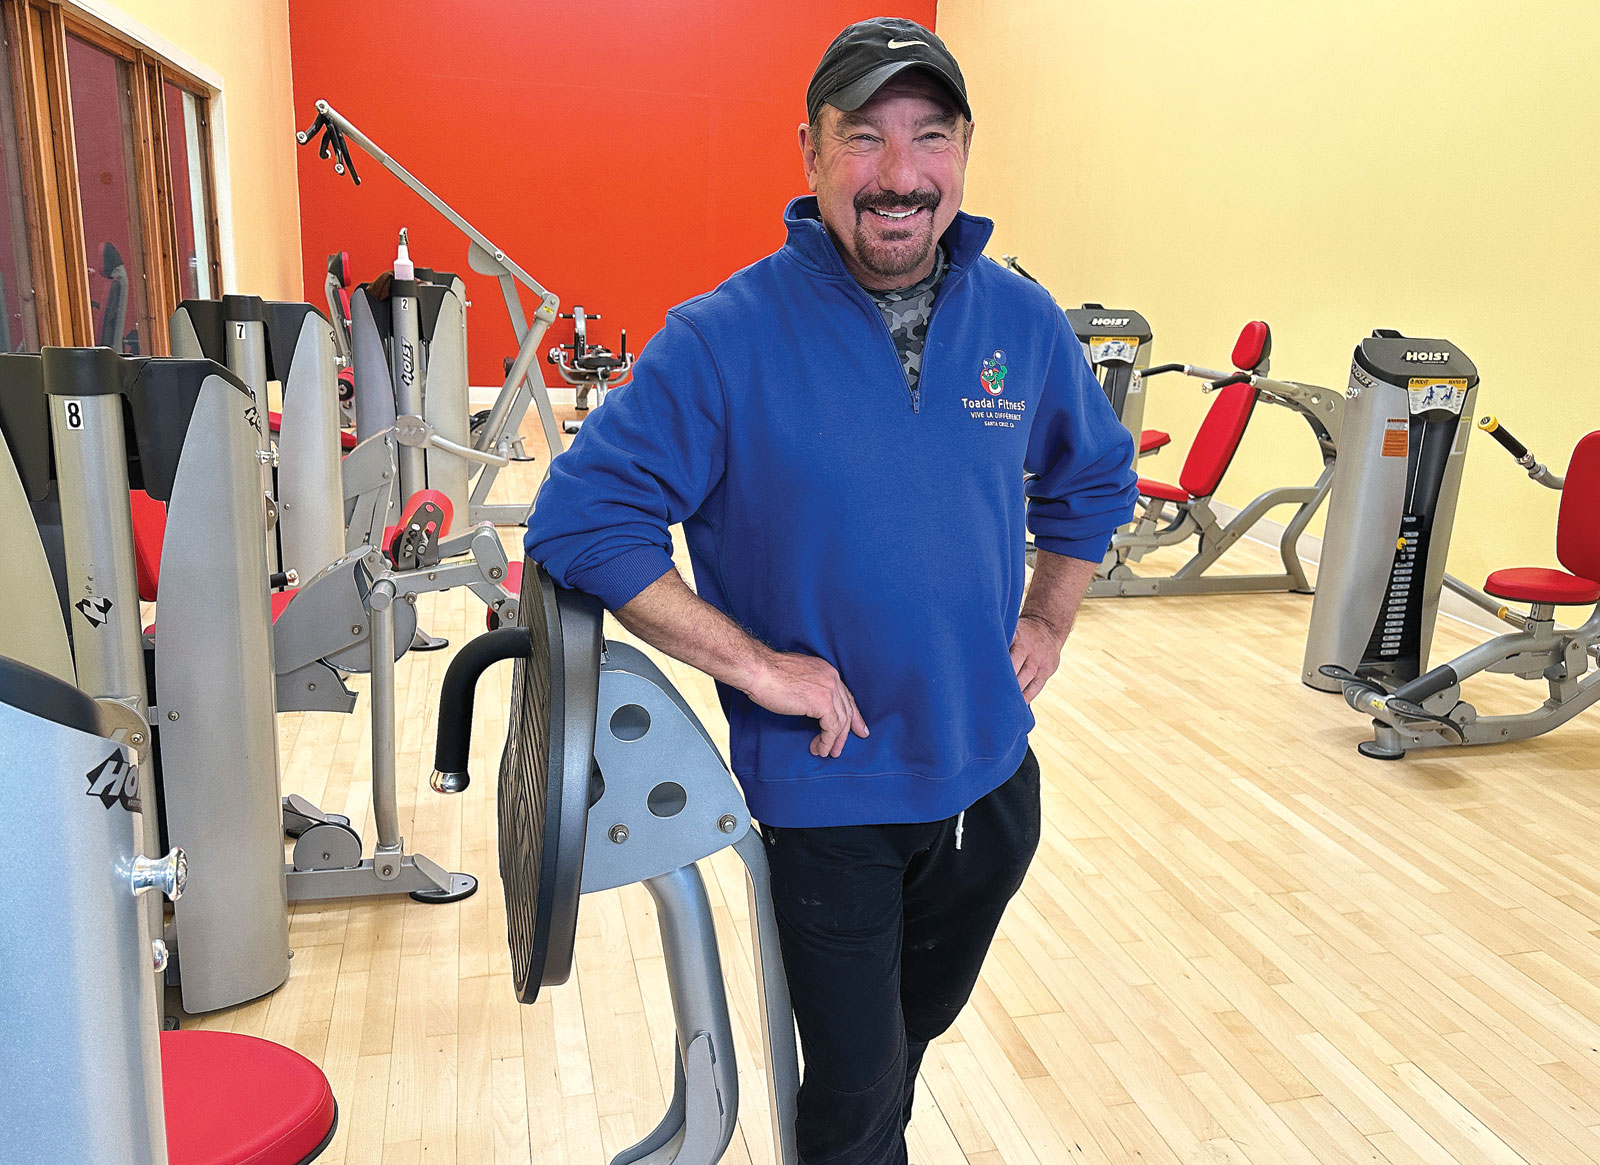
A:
{"x": 237, "y": 1100}
{"x": 1218, "y": 439}
{"x": 1542, "y": 584}
{"x": 1151, "y": 488}
{"x": 274, "y": 421}
{"x": 347, "y": 439}
{"x": 149, "y": 533}
{"x": 1152, "y": 439}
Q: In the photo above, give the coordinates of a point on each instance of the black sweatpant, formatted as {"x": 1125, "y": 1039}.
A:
{"x": 884, "y": 930}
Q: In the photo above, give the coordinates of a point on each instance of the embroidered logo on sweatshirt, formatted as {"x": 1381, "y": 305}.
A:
{"x": 993, "y": 373}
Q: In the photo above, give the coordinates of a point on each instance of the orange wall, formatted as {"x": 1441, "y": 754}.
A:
{"x": 627, "y": 154}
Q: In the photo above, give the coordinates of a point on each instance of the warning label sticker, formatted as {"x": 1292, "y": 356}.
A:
{"x": 1396, "y": 437}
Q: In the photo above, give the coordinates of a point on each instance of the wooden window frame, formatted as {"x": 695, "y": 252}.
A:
{"x": 36, "y": 33}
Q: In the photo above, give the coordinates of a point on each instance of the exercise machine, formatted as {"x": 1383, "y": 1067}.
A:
{"x": 607, "y": 779}
{"x": 189, "y": 535}
{"x": 1116, "y": 342}
{"x": 589, "y": 367}
{"x": 93, "y": 1076}
{"x": 1408, "y": 415}
{"x": 87, "y": 426}
{"x": 1427, "y": 711}
{"x": 1193, "y": 516}
{"x": 497, "y": 435}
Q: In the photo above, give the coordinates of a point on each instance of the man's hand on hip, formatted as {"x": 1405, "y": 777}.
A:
{"x": 1035, "y": 654}
{"x": 803, "y": 685}
{"x": 671, "y": 617}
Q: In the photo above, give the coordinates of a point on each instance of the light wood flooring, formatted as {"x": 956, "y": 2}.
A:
{"x": 1240, "y": 941}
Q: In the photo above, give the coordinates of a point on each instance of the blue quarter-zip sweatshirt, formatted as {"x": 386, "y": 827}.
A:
{"x": 829, "y": 513}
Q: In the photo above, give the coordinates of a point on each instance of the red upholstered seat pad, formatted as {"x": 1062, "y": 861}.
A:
{"x": 281, "y": 599}
{"x": 1151, "y": 488}
{"x": 1152, "y": 439}
{"x": 1542, "y": 584}
{"x": 514, "y": 577}
{"x": 239, "y": 1100}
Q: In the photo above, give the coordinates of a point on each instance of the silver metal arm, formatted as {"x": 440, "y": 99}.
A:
{"x": 551, "y": 303}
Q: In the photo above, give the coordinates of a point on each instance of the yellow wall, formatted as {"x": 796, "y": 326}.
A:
{"x": 247, "y": 43}
{"x": 1426, "y": 165}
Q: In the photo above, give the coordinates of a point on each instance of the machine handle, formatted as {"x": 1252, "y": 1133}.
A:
{"x": 1228, "y": 382}
{"x": 1147, "y": 373}
{"x": 456, "y": 695}
{"x": 1492, "y": 426}
{"x": 283, "y": 578}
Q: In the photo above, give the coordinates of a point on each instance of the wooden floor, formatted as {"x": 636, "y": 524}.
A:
{"x": 1240, "y": 941}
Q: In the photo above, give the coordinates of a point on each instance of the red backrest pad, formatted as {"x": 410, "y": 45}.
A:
{"x": 428, "y": 495}
{"x": 149, "y": 532}
{"x": 1253, "y": 345}
{"x": 1578, "y": 526}
{"x": 1217, "y": 440}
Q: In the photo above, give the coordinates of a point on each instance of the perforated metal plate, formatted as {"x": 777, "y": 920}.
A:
{"x": 545, "y": 776}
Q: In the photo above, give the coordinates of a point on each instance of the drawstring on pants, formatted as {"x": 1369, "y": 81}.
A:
{"x": 961, "y": 820}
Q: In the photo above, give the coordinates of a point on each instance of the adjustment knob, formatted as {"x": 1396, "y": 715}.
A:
{"x": 169, "y": 874}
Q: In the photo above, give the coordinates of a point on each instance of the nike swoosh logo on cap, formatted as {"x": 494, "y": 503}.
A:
{"x": 905, "y": 44}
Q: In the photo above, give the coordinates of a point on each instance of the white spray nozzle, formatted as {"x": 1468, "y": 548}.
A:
{"x": 403, "y": 268}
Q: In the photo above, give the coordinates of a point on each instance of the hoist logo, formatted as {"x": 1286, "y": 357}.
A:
{"x": 97, "y": 611}
{"x": 1426, "y": 357}
{"x": 408, "y": 364}
{"x": 993, "y": 373}
{"x": 1108, "y": 321}
{"x": 114, "y": 780}
{"x": 253, "y": 415}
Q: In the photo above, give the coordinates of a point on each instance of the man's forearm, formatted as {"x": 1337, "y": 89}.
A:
{"x": 1058, "y": 586}
{"x": 672, "y": 618}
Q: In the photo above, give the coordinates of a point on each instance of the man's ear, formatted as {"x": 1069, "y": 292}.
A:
{"x": 808, "y": 154}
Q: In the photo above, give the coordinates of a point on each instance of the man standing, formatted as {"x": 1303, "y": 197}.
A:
{"x": 842, "y": 428}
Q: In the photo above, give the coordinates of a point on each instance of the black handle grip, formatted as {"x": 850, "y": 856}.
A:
{"x": 1230, "y": 381}
{"x": 1493, "y": 427}
{"x": 280, "y": 579}
{"x": 456, "y": 696}
{"x": 1159, "y": 369}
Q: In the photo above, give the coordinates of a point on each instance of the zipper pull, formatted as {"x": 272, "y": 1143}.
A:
{"x": 961, "y": 821}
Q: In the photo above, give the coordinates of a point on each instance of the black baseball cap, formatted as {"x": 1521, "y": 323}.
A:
{"x": 865, "y": 55}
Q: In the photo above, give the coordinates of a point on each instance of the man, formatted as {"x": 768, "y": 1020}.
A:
{"x": 842, "y": 428}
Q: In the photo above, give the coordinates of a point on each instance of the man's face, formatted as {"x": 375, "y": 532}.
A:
{"x": 889, "y": 177}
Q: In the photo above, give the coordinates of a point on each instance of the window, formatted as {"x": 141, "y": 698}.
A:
{"x": 190, "y": 198}
{"x": 19, "y": 327}
{"x": 108, "y": 187}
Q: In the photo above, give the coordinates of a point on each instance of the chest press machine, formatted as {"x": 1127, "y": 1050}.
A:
{"x": 1388, "y": 534}
{"x": 1215, "y": 444}
{"x": 385, "y": 339}
{"x": 608, "y": 778}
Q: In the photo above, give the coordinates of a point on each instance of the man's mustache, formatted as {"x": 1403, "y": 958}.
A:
{"x": 882, "y": 200}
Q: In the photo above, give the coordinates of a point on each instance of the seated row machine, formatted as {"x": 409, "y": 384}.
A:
{"x": 608, "y": 778}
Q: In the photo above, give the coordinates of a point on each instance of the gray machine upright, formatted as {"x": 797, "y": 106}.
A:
{"x": 1117, "y": 344}
{"x": 291, "y": 344}
{"x": 1407, "y": 417}
{"x": 80, "y": 1027}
